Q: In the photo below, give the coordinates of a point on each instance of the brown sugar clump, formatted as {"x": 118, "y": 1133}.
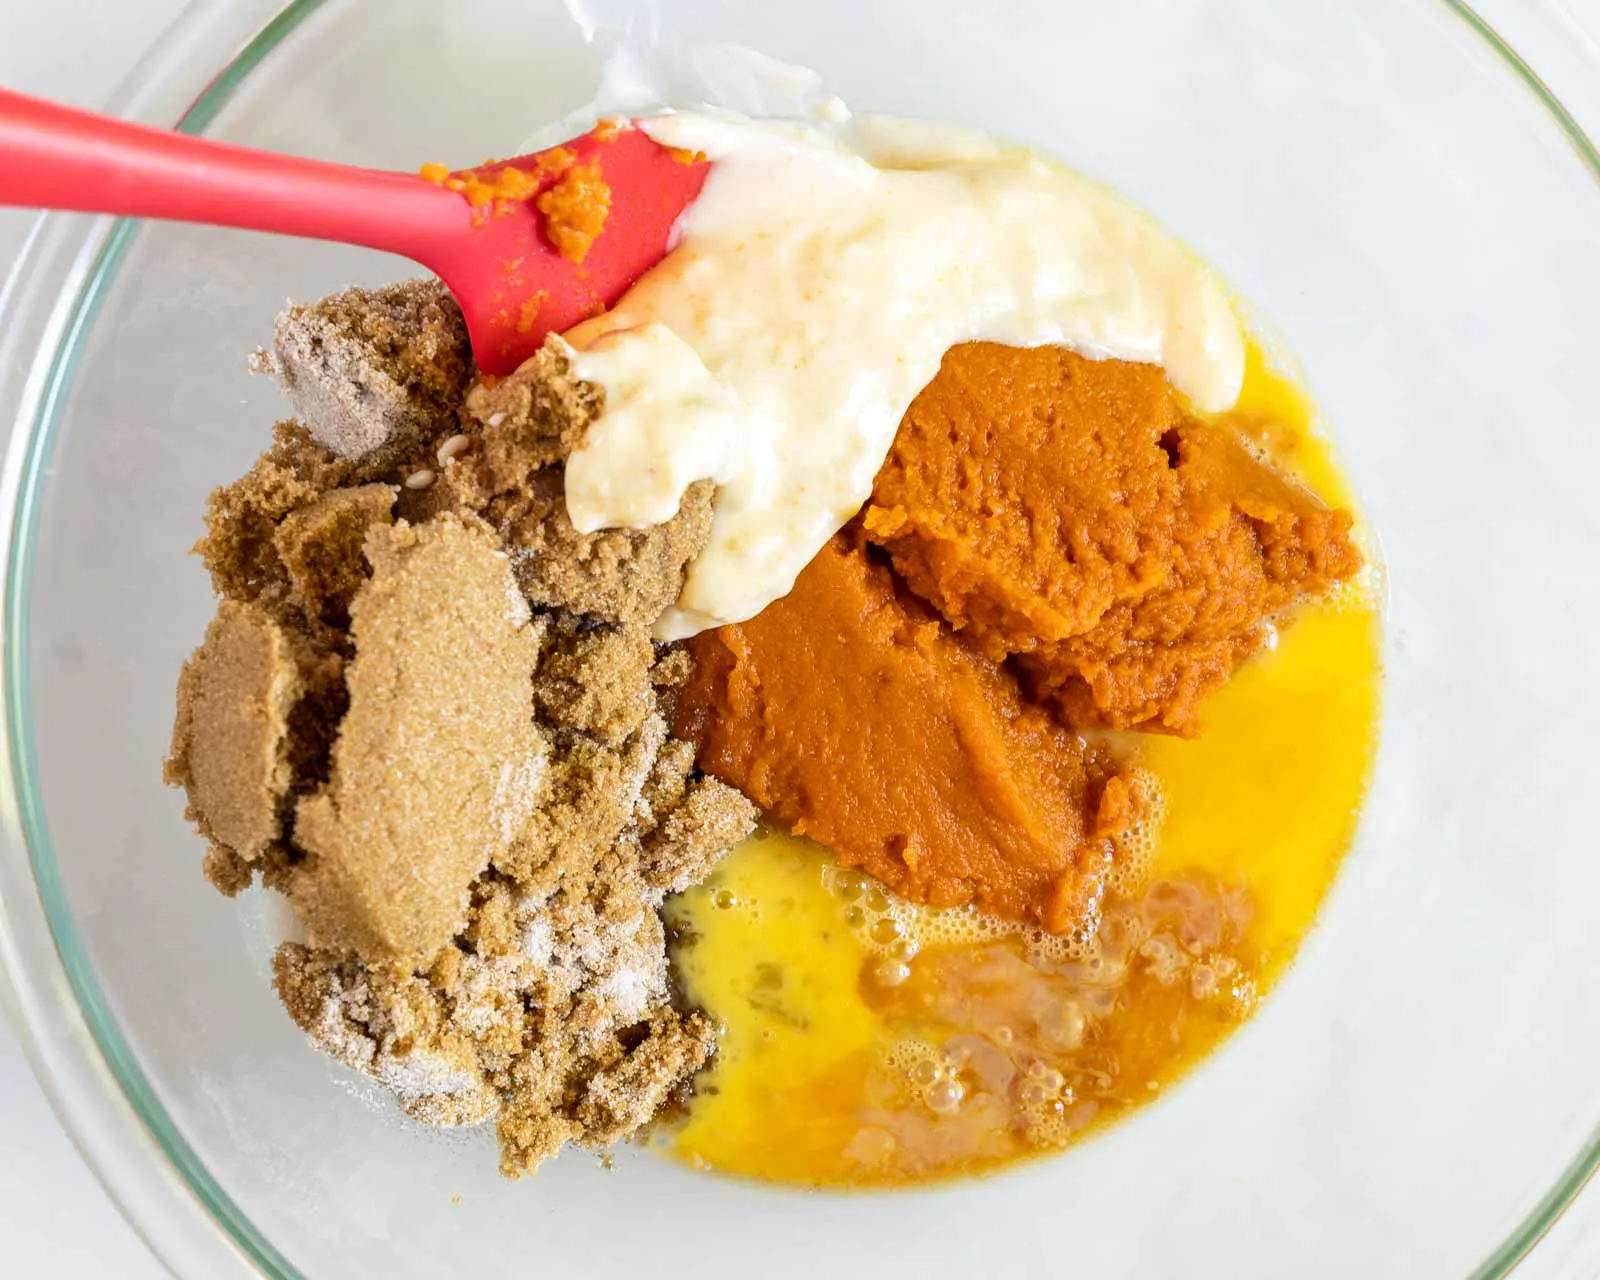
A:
{"x": 641, "y": 792}
{"x": 589, "y": 805}
{"x": 630, "y": 575}
{"x": 535, "y": 417}
{"x": 231, "y": 744}
{"x": 370, "y": 369}
{"x": 320, "y": 545}
{"x": 437, "y": 766}
{"x": 240, "y": 547}
{"x": 472, "y": 800}
{"x": 520, "y": 431}
{"x": 849, "y": 713}
{"x": 599, "y": 948}
{"x": 390, "y": 1025}
{"x": 551, "y": 1010}
{"x": 506, "y": 467}
{"x": 686, "y": 821}
{"x": 596, "y": 680}
{"x": 1067, "y": 511}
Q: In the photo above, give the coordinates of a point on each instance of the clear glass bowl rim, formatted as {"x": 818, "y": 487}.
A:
{"x": 74, "y": 1044}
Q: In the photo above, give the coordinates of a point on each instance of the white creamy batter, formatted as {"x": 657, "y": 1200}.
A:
{"x": 818, "y": 281}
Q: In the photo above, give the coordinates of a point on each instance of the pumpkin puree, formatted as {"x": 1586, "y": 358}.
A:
{"x": 849, "y": 713}
{"x": 575, "y": 210}
{"x": 574, "y": 199}
{"x": 1070, "y": 549}
{"x": 1068, "y": 510}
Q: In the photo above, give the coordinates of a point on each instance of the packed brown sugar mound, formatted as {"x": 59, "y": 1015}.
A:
{"x": 847, "y": 711}
{"x": 1067, "y": 511}
{"x": 431, "y": 714}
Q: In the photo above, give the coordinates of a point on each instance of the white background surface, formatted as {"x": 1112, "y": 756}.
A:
{"x": 54, "y": 1219}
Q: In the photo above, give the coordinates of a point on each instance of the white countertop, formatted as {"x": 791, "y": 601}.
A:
{"x": 54, "y": 1218}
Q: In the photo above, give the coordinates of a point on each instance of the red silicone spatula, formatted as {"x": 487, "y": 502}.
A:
{"x": 493, "y": 252}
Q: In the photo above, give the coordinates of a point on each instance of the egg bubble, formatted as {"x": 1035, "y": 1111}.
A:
{"x": 944, "y": 1097}
{"x": 848, "y": 886}
{"x": 916, "y": 1062}
{"x": 1049, "y": 1129}
{"x": 886, "y": 929}
{"x": 1136, "y": 847}
{"x": 891, "y": 973}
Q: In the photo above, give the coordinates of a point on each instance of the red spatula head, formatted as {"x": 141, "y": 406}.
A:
{"x": 528, "y": 246}
{"x": 559, "y": 236}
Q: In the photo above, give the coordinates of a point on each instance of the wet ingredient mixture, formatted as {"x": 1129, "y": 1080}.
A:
{"x": 1035, "y": 503}
{"x": 872, "y": 1041}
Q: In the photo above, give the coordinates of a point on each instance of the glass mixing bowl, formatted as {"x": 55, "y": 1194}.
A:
{"x": 1415, "y": 216}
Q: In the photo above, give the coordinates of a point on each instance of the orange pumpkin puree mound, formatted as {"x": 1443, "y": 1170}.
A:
{"x": 1027, "y": 492}
{"x": 1068, "y": 512}
{"x": 849, "y": 712}
{"x": 1247, "y": 543}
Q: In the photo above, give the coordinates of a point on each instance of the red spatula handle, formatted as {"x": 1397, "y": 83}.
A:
{"x": 55, "y": 157}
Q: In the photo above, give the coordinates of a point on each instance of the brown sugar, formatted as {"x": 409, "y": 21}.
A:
{"x": 611, "y": 707}
{"x": 437, "y": 766}
{"x": 847, "y": 711}
{"x": 518, "y": 433}
{"x": 1067, "y": 511}
{"x": 472, "y": 801}
{"x": 627, "y": 574}
{"x": 551, "y": 1010}
{"x": 319, "y": 546}
{"x": 498, "y": 455}
{"x": 240, "y": 548}
{"x": 231, "y": 744}
{"x": 368, "y": 369}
